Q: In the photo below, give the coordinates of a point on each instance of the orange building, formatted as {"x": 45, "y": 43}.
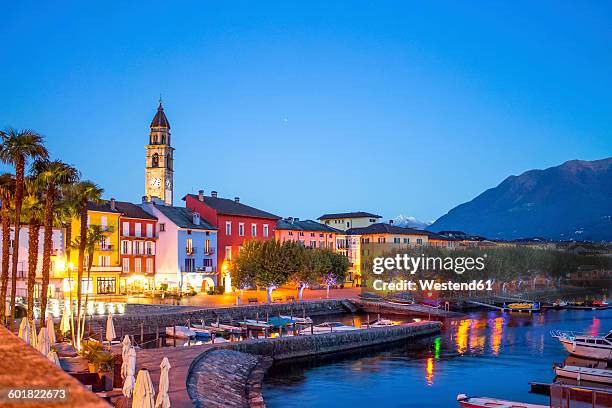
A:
{"x": 310, "y": 234}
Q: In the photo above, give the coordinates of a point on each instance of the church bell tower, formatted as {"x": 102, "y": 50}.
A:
{"x": 159, "y": 171}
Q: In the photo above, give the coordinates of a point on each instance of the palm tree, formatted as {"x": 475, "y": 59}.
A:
{"x": 7, "y": 188}
{"x": 52, "y": 175}
{"x": 85, "y": 192}
{"x": 95, "y": 236}
{"x": 33, "y": 212}
{"x": 17, "y": 148}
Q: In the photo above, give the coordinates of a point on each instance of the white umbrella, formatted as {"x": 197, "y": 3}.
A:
{"x": 33, "y": 335}
{"x": 125, "y": 348}
{"x": 24, "y": 330}
{"x": 163, "y": 401}
{"x": 52, "y": 356}
{"x": 143, "y": 391}
{"x": 44, "y": 346}
{"x": 110, "y": 329}
{"x": 65, "y": 323}
{"x": 130, "y": 369}
{"x": 51, "y": 330}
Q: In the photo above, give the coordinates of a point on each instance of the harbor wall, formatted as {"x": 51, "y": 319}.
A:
{"x": 282, "y": 348}
{"x": 232, "y": 374}
{"x": 153, "y": 317}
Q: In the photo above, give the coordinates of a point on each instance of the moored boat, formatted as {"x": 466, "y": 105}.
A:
{"x": 298, "y": 320}
{"x": 180, "y": 332}
{"x": 380, "y": 323}
{"x": 328, "y": 327}
{"x": 584, "y": 374}
{"x": 486, "y": 402}
{"x": 599, "y": 348}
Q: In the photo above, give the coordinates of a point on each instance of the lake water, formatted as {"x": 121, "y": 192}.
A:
{"x": 493, "y": 354}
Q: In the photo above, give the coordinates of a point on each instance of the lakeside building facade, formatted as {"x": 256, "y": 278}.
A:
{"x": 308, "y": 233}
{"x": 106, "y": 262}
{"x": 138, "y": 235}
{"x": 235, "y": 223}
{"x": 56, "y": 274}
{"x": 345, "y": 221}
{"x": 186, "y": 252}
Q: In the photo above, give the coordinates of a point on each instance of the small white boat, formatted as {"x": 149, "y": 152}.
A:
{"x": 486, "y": 402}
{"x": 585, "y": 374}
{"x": 199, "y": 332}
{"x": 180, "y": 332}
{"x": 599, "y": 348}
{"x": 328, "y": 327}
{"x": 380, "y": 323}
{"x": 217, "y": 340}
{"x": 298, "y": 320}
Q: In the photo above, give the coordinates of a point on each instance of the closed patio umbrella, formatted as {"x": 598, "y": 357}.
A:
{"x": 163, "y": 401}
{"x": 33, "y": 335}
{"x": 52, "y": 356}
{"x": 125, "y": 348}
{"x": 24, "y": 330}
{"x": 130, "y": 370}
{"x": 44, "y": 345}
{"x": 65, "y": 322}
{"x": 51, "y": 330}
{"x": 110, "y": 329}
{"x": 143, "y": 391}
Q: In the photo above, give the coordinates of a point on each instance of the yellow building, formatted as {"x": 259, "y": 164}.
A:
{"x": 345, "y": 221}
{"x": 106, "y": 267}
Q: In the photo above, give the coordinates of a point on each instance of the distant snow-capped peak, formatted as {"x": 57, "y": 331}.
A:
{"x": 410, "y": 222}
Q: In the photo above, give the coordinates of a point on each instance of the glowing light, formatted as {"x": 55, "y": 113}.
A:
{"x": 496, "y": 338}
{"x": 60, "y": 264}
{"x": 100, "y": 308}
{"x": 90, "y": 308}
{"x": 120, "y": 308}
{"x": 462, "y": 335}
{"x": 111, "y": 308}
{"x": 437, "y": 348}
{"x": 429, "y": 370}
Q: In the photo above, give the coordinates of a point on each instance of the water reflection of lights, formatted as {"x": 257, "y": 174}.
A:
{"x": 429, "y": 369}
{"x": 496, "y": 335}
{"x": 437, "y": 348}
{"x": 594, "y": 328}
{"x": 462, "y": 335}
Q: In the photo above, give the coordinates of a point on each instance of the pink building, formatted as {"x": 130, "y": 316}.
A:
{"x": 309, "y": 233}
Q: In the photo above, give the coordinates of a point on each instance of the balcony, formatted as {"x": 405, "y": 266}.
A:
{"x": 209, "y": 251}
{"x": 207, "y": 270}
{"x": 190, "y": 251}
{"x": 105, "y": 248}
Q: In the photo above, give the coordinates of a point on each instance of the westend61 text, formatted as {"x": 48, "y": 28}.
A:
{"x": 428, "y": 285}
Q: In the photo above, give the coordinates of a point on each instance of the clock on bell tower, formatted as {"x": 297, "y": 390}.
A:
{"x": 160, "y": 159}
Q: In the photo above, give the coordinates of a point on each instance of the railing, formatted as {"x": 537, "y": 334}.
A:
{"x": 200, "y": 269}
{"x": 209, "y": 251}
{"x": 105, "y": 247}
{"x": 190, "y": 251}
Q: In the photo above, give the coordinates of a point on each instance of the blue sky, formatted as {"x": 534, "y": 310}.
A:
{"x": 302, "y": 108}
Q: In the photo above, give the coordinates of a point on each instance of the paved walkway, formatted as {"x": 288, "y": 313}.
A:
{"x": 180, "y": 359}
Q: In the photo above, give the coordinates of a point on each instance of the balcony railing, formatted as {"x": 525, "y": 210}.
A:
{"x": 105, "y": 248}
{"x": 190, "y": 251}
{"x": 200, "y": 269}
{"x": 209, "y": 251}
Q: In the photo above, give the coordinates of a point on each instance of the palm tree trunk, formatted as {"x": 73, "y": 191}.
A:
{"x": 82, "y": 243}
{"x": 34, "y": 229}
{"x": 6, "y": 241}
{"x": 47, "y": 248}
{"x": 19, "y": 170}
{"x": 89, "y": 264}
{"x": 68, "y": 227}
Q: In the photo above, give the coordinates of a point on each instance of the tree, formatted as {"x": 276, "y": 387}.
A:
{"x": 335, "y": 267}
{"x": 244, "y": 268}
{"x": 95, "y": 235}
{"x": 33, "y": 211}
{"x": 274, "y": 266}
{"x": 52, "y": 176}
{"x": 309, "y": 268}
{"x": 17, "y": 148}
{"x": 7, "y": 189}
{"x": 84, "y": 193}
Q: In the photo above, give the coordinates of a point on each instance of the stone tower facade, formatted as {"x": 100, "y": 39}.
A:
{"x": 159, "y": 173}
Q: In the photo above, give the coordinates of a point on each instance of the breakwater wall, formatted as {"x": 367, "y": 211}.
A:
{"x": 232, "y": 375}
{"x": 415, "y": 310}
{"x": 153, "y": 317}
{"x": 282, "y": 348}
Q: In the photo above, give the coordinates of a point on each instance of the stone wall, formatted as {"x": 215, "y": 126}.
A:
{"x": 282, "y": 348}
{"x": 160, "y": 316}
{"x": 222, "y": 378}
{"x": 21, "y": 366}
